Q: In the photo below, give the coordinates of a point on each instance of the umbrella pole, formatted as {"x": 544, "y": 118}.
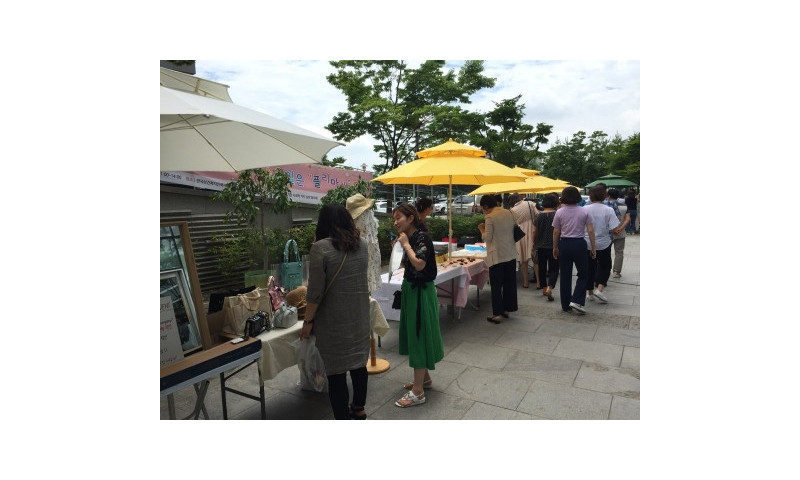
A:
{"x": 450, "y": 220}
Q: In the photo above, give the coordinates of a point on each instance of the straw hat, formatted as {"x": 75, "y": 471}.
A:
{"x": 297, "y": 298}
{"x": 357, "y": 204}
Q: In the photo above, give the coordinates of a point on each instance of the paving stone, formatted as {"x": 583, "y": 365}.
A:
{"x": 623, "y": 408}
{"x": 556, "y": 328}
{"x": 482, "y": 411}
{"x": 543, "y": 367}
{"x": 590, "y": 351}
{"x": 562, "y": 402}
{"x": 621, "y": 382}
{"x": 529, "y": 342}
{"x": 631, "y": 310}
{"x": 617, "y": 336}
{"x": 630, "y": 358}
{"x": 494, "y": 388}
{"x": 479, "y": 355}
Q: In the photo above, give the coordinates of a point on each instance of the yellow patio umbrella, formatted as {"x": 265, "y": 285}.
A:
{"x": 535, "y": 184}
{"x": 448, "y": 164}
{"x": 526, "y": 171}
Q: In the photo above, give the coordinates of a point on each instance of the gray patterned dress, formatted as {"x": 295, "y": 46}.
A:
{"x": 341, "y": 323}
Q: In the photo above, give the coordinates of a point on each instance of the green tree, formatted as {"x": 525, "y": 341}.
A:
{"x": 333, "y": 162}
{"x": 340, "y": 194}
{"x": 249, "y": 195}
{"x": 397, "y": 105}
{"x": 507, "y": 139}
{"x": 625, "y": 159}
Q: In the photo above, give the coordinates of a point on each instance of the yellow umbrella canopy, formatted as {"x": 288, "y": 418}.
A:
{"x": 535, "y": 184}
{"x": 526, "y": 171}
{"x": 448, "y": 164}
{"x": 451, "y": 148}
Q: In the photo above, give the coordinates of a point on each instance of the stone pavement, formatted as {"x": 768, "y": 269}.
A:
{"x": 541, "y": 363}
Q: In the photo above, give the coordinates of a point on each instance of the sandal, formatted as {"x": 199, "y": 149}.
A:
{"x": 357, "y": 413}
{"x": 427, "y": 384}
{"x": 409, "y": 400}
{"x": 494, "y": 319}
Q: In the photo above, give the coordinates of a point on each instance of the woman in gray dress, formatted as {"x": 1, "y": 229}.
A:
{"x": 338, "y": 309}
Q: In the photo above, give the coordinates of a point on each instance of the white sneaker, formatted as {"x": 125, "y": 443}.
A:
{"x": 577, "y": 308}
{"x": 616, "y": 275}
{"x": 601, "y": 296}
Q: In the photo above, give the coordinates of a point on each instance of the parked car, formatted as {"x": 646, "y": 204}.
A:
{"x": 586, "y": 200}
{"x": 440, "y": 207}
{"x": 380, "y": 205}
{"x": 466, "y": 204}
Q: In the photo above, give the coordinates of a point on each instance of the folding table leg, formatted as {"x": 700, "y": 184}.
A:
{"x": 171, "y": 406}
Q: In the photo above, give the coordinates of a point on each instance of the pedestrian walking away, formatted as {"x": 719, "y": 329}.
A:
{"x": 569, "y": 224}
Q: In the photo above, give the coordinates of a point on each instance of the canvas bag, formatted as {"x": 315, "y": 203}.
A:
{"x": 291, "y": 272}
{"x": 237, "y": 309}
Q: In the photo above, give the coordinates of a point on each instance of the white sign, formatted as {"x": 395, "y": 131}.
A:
{"x": 171, "y": 349}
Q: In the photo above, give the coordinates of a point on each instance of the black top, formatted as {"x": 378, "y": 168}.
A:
{"x": 630, "y": 202}
{"x": 423, "y": 248}
{"x": 544, "y": 230}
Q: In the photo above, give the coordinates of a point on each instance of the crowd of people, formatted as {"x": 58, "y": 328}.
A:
{"x": 345, "y": 264}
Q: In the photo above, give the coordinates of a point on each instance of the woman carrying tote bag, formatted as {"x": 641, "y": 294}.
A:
{"x": 337, "y": 309}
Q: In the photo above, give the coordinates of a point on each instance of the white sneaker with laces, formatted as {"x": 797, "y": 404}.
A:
{"x": 601, "y": 296}
{"x": 577, "y": 308}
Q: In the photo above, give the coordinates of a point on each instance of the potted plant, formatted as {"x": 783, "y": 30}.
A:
{"x": 249, "y": 195}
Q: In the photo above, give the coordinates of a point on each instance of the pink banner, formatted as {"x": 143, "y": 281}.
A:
{"x": 310, "y": 182}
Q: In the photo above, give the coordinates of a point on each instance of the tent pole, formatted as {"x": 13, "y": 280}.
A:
{"x": 450, "y": 214}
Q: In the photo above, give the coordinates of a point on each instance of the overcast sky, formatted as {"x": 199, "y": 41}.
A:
{"x": 569, "y": 95}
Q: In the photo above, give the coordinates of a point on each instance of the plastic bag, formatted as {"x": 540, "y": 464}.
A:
{"x": 312, "y": 368}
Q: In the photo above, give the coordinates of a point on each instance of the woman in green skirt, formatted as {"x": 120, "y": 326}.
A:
{"x": 420, "y": 337}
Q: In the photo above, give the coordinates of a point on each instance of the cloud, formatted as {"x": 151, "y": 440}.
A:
{"x": 569, "y": 95}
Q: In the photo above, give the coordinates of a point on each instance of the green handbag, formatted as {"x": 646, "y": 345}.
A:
{"x": 291, "y": 272}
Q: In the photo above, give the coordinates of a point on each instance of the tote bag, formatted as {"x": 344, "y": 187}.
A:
{"x": 291, "y": 272}
{"x": 237, "y": 309}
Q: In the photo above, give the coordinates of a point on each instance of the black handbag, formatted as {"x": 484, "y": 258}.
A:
{"x": 397, "y": 299}
{"x": 256, "y": 324}
{"x": 518, "y": 233}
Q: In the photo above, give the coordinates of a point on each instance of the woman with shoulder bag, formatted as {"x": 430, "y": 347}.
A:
{"x": 420, "y": 336}
{"x": 501, "y": 257}
{"x": 337, "y": 309}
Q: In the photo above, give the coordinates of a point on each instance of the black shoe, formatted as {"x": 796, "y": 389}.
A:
{"x": 357, "y": 413}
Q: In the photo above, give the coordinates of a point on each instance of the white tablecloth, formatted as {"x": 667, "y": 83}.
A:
{"x": 278, "y": 353}
{"x": 475, "y": 273}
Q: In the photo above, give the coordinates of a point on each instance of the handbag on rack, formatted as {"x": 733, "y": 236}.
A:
{"x": 284, "y": 317}
{"x": 276, "y": 293}
{"x": 238, "y": 308}
{"x": 291, "y": 272}
{"x": 518, "y": 233}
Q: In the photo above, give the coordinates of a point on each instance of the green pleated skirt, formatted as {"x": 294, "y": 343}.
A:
{"x": 425, "y": 350}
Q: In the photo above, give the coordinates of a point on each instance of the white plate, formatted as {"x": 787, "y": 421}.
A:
{"x": 397, "y": 256}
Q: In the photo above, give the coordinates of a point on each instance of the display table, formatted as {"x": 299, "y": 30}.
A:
{"x": 448, "y": 279}
{"x": 198, "y": 369}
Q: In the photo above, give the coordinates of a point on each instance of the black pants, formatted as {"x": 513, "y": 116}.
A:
{"x": 548, "y": 267}
{"x": 599, "y": 268}
{"x": 339, "y": 395}
{"x": 503, "y": 280}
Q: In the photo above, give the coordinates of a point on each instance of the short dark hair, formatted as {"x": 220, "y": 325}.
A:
{"x": 335, "y": 222}
{"x": 550, "y": 201}
{"x": 423, "y": 203}
{"x": 514, "y": 198}
{"x": 613, "y": 193}
{"x": 570, "y": 196}
{"x": 409, "y": 211}
{"x": 488, "y": 201}
{"x": 597, "y": 193}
